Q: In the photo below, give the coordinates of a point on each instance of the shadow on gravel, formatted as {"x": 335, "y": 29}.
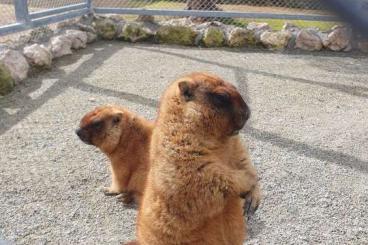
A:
{"x": 23, "y": 104}
{"x": 119, "y": 94}
{"x": 301, "y": 148}
{"x": 255, "y": 227}
{"x": 359, "y": 91}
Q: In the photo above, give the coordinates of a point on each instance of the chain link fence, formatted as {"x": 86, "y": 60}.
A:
{"x": 35, "y": 5}
{"x": 304, "y": 13}
{"x": 274, "y": 12}
{"x": 280, "y": 6}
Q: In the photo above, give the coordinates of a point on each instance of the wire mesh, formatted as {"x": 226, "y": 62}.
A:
{"x": 7, "y": 13}
{"x": 265, "y": 6}
{"x": 36, "y": 5}
{"x": 289, "y": 7}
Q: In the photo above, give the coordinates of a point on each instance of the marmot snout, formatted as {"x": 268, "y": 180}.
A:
{"x": 98, "y": 124}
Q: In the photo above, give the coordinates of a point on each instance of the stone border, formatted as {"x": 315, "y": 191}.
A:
{"x": 41, "y": 46}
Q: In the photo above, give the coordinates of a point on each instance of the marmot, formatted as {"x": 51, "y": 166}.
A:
{"x": 124, "y": 137}
{"x": 199, "y": 169}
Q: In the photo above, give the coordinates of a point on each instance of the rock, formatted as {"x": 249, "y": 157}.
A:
{"x": 115, "y": 17}
{"x": 15, "y": 62}
{"x": 294, "y": 30}
{"x": 338, "y": 39}
{"x": 135, "y": 32}
{"x": 87, "y": 19}
{"x": 255, "y": 26}
{"x": 203, "y": 29}
{"x": 213, "y": 37}
{"x": 258, "y": 29}
{"x": 6, "y": 80}
{"x": 176, "y": 31}
{"x": 84, "y": 24}
{"x": 66, "y": 24}
{"x": 41, "y": 34}
{"x": 38, "y": 55}
{"x": 290, "y": 27}
{"x": 3, "y": 47}
{"x": 106, "y": 28}
{"x": 205, "y": 25}
{"x": 85, "y": 28}
{"x": 308, "y": 40}
{"x": 146, "y": 18}
{"x": 79, "y": 38}
{"x": 275, "y": 40}
{"x": 178, "y": 22}
{"x": 91, "y": 37}
{"x": 60, "y": 46}
{"x": 199, "y": 37}
{"x": 176, "y": 34}
{"x": 240, "y": 37}
{"x": 323, "y": 36}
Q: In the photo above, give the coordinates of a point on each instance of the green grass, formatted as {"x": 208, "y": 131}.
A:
{"x": 276, "y": 24}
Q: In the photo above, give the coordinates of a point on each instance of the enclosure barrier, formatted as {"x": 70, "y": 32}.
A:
{"x": 309, "y": 10}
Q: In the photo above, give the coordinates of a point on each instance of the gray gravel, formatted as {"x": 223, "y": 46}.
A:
{"x": 308, "y": 138}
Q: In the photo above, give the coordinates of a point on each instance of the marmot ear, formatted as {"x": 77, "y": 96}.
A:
{"x": 117, "y": 117}
{"x": 186, "y": 90}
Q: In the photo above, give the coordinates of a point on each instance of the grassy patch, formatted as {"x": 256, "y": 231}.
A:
{"x": 276, "y": 24}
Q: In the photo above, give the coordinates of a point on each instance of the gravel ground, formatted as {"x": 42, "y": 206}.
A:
{"x": 308, "y": 138}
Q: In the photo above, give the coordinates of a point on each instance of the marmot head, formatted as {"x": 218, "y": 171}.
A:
{"x": 103, "y": 127}
{"x": 208, "y": 102}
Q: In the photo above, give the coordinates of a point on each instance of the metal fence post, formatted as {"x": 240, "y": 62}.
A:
{"x": 21, "y": 11}
{"x": 89, "y": 5}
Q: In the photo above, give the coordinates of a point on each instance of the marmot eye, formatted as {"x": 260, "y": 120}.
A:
{"x": 97, "y": 125}
{"x": 221, "y": 99}
{"x": 116, "y": 120}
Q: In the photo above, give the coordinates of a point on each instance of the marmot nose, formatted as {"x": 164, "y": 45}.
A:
{"x": 242, "y": 116}
{"x": 83, "y": 136}
{"x": 79, "y": 132}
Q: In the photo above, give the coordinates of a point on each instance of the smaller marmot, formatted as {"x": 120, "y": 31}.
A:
{"x": 124, "y": 137}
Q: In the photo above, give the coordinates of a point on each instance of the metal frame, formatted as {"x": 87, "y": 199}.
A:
{"x": 26, "y": 20}
{"x": 17, "y": 27}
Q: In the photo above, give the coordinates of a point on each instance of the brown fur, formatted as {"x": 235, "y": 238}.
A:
{"x": 131, "y": 243}
{"x": 199, "y": 169}
{"x": 124, "y": 137}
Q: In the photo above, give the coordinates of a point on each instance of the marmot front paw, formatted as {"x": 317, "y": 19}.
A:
{"x": 108, "y": 191}
{"x": 126, "y": 197}
{"x": 252, "y": 201}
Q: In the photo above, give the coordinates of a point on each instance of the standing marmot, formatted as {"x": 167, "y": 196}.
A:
{"x": 124, "y": 137}
{"x": 199, "y": 169}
